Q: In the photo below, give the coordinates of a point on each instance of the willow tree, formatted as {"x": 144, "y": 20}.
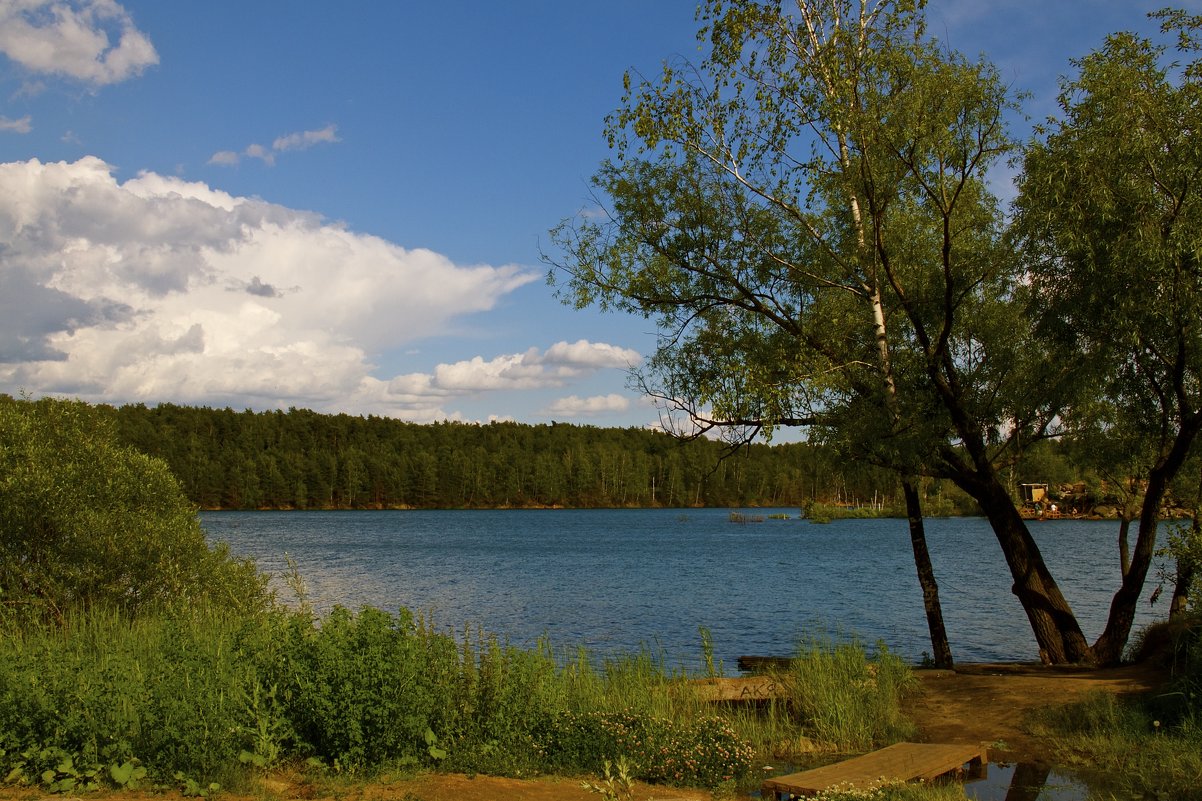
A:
{"x": 1111, "y": 213}
{"x": 805, "y": 214}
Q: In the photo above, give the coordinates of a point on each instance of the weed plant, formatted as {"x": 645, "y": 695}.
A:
{"x": 205, "y": 698}
{"x": 106, "y": 691}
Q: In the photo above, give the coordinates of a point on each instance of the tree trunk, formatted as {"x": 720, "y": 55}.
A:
{"x": 941, "y": 649}
{"x": 1109, "y": 647}
{"x": 1124, "y": 548}
{"x": 1052, "y": 620}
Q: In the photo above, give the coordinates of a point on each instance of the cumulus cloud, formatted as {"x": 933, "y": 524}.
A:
{"x": 555, "y": 367}
{"x": 590, "y": 355}
{"x": 93, "y": 41}
{"x": 161, "y": 289}
{"x": 574, "y": 406}
{"x": 301, "y": 140}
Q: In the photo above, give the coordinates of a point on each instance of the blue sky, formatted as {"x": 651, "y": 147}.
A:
{"x": 341, "y": 206}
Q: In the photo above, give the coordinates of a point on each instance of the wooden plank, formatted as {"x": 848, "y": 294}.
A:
{"x": 901, "y": 762}
{"x": 764, "y": 664}
{"x": 740, "y": 689}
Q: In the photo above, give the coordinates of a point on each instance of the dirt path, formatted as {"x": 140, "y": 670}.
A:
{"x": 989, "y": 703}
{"x": 975, "y": 704}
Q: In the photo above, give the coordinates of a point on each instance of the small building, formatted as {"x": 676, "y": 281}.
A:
{"x": 1034, "y": 494}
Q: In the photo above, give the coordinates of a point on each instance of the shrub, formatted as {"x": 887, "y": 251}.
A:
{"x": 86, "y": 522}
{"x": 503, "y": 695}
{"x": 356, "y": 687}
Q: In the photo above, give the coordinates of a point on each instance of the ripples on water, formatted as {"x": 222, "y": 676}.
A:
{"x": 615, "y": 580}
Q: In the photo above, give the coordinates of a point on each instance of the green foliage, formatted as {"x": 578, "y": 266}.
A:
{"x": 1150, "y": 746}
{"x": 817, "y": 512}
{"x": 303, "y": 460}
{"x": 1184, "y": 547}
{"x": 356, "y": 690}
{"x": 176, "y": 691}
{"x": 88, "y": 522}
{"x": 193, "y": 701}
{"x": 1115, "y": 278}
{"x": 56, "y": 771}
{"x": 806, "y": 214}
{"x": 845, "y": 699}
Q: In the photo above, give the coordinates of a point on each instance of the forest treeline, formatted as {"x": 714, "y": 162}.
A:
{"x": 299, "y": 459}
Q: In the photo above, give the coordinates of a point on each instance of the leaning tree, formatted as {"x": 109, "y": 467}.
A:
{"x": 1110, "y": 220}
{"x": 806, "y": 215}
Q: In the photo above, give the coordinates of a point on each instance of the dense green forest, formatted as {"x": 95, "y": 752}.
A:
{"x": 304, "y": 460}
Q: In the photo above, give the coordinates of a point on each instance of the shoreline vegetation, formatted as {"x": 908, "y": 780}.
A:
{"x": 302, "y": 460}
{"x": 134, "y": 656}
{"x": 202, "y": 701}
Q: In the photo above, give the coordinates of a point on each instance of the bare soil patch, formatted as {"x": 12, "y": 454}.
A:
{"x": 990, "y": 703}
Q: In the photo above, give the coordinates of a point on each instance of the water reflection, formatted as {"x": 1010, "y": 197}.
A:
{"x": 1025, "y": 781}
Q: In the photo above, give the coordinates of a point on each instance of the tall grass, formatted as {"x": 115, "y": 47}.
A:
{"x": 195, "y": 698}
{"x": 1149, "y": 746}
{"x": 1126, "y": 748}
{"x": 846, "y": 700}
{"x": 106, "y": 689}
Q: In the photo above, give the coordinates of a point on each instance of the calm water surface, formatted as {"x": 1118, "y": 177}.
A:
{"x": 615, "y": 580}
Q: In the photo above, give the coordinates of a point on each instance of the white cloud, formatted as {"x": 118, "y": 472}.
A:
{"x": 305, "y": 139}
{"x": 590, "y": 355}
{"x": 224, "y": 158}
{"x": 93, "y": 41}
{"x": 574, "y": 406}
{"x": 260, "y": 152}
{"x": 301, "y": 140}
{"x": 159, "y": 289}
{"x": 556, "y": 367}
{"x": 22, "y": 126}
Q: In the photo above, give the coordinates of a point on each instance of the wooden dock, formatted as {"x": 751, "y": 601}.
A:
{"x": 901, "y": 762}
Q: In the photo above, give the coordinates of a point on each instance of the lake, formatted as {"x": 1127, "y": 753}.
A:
{"x": 617, "y": 580}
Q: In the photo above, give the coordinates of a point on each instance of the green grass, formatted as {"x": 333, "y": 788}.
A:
{"x": 191, "y": 700}
{"x": 1131, "y": 746}
{"x": 843, "y": 699}
{"x": 106, "y": 691}
{"x": 1146, "y": 746}
{"x": 826, "y": 512}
